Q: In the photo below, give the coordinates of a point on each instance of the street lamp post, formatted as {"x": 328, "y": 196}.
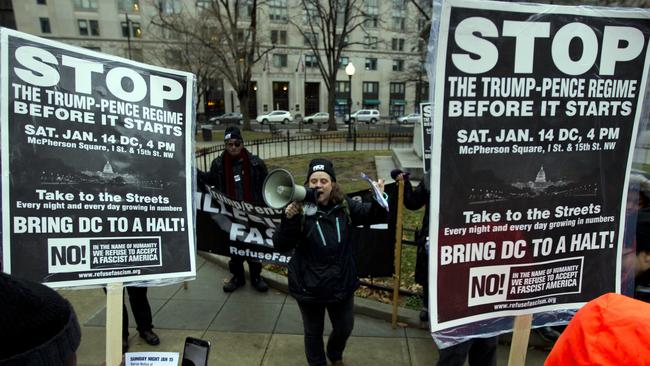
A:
{"x": 349, "y": 70}
{"x": 128, "y": 34}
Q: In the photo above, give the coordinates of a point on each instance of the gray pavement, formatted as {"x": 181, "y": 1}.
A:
{"x": 251, "y": 328}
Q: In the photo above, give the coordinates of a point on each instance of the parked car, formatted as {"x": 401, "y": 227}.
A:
{"x": 365, "y": 115}
{"x": 232, "y": 118}
{"x": 275, "y": 116}
{"x": 408, "y": 119}
{"x": 320, "y": 117}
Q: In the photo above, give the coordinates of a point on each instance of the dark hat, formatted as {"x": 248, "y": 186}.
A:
{"x": 37, "y": 325}
{"x": 321, "y": 165}
{"x": 232, "y": 132}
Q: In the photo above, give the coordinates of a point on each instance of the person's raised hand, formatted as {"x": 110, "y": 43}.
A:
{"x": 293, "y": 209}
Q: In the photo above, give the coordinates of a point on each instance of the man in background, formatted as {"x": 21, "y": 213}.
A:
{"x": 240, "y": 175}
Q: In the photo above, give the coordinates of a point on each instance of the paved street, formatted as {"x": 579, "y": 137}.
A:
{"x": 249, "y": 328}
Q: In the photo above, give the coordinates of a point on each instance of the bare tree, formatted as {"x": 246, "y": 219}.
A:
{"x": 415, "y": 73}
{"x": 228, "y": 30}
{"x": 326, "y": 27}
{"x": 189, "y": 55}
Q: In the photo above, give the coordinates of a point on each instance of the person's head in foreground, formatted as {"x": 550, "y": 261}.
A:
{"x": 37, "y": 325}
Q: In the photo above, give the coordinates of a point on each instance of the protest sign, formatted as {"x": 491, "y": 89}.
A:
{"x": 536, "y": 108}
{"x": 425, "y": 124}
{"x": 229, "y": 227}
{"x": 96, "y": 166}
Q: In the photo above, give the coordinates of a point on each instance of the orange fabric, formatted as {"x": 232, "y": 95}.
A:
{"x": 610, "y": 330}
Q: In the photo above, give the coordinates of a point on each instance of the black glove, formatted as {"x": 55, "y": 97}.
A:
{"x": 395, "y": 172}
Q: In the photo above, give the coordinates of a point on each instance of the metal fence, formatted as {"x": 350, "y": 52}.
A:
{"x": 288, "y": 144}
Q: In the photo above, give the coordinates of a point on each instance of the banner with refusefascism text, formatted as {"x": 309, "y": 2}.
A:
{"x": 536, "y": 110}
{"x": 235, "y": 228}
{"x": 96, "y": 166}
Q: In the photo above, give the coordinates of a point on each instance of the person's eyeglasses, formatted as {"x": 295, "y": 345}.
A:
{"x": 234, "y": 144}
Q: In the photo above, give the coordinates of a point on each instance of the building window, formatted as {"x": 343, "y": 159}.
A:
{"x": 129, "y": 6}
{"x": 398, "y": 65}
{"x": 396, "y": 110}
{"x": 310, "y": 13}
{"x": 244, "y": 9}
{"x": 397, "y": 88}
{"x": 399, "y": 15}
{"x": 342, "y": 86}
{"x": 85, "y": 4}
{"x": 370, "y": 42}
{"x": 421, "y": 45}
{"x": 397, "y": 44}
{"x": 279, "y": 37}
{"x": 168, "y": 34}
{"x": 340, "y": 13}
{"x": 398, "y": 23}
{"x": 371, "y": 64}
{"x": 422, "y": 22}
{"x": 343, "y": 62}
{"x": 278, "y": 10}
{"x": 83, "y": 27}
{"x": 173, "y": 57}
{"x": 41, "y": 2}
{"x": 203, "y": 5}
{"x": 136, "y": 31}
{"x": 345, "y": 41}
{"x": 279, "y": 60}
{"x": 45, "y": 25}
{"x": 370, "y": 87}
{"x": 242, "y": 35}
{"x": 311, "y": 61}
{"x": 88, "y": 27}
{"x": 169, "y": 7}
{"x": 310, "y": 39}
{"x": 93, "y": 48}
{"x": 371, "y": 22}
{"x": 372, "y": 13}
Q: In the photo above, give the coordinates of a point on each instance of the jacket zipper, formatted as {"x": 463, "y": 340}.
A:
{"x": 338, "y": 229}
{"x": 320, "y": 232}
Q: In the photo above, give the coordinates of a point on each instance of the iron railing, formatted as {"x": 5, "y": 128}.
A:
{"x": 282, "y": 145}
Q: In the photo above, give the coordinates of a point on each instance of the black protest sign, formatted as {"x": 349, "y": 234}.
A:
{"x": 535, "y": 110}
{"x": 236, "y": 228}
{"x": 96, "y": 164}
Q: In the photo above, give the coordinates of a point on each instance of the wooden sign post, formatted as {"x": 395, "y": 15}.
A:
{"x": 114, "y": 298}
{"x": 520, "y": 335}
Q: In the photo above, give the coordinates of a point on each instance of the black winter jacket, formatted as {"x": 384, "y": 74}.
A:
{"x": 217, "y": 175}
{"x": 322, "y": 268}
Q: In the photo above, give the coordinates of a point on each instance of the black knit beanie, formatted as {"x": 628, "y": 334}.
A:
{"x": 37, "y": 325}
{"x": 232, "y": 132}
{"x": 322, "y": 165}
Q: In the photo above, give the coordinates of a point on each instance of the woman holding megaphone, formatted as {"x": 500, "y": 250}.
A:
{"x": 322, "y": 271}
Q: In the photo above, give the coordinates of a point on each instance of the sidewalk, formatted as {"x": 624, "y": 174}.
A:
{"x": 251, "y": 328}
